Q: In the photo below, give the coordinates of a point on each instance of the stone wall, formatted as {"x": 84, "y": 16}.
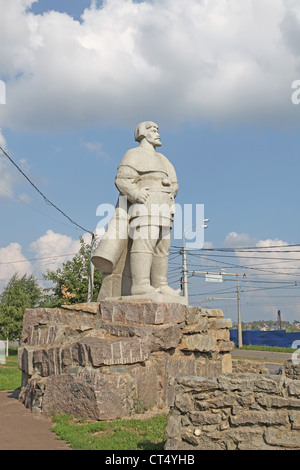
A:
{"x": 113, "y": 358}
{"x": 291, "y": 369}
{"x": 249, "y": 366}
{"x": 234, "y": 411}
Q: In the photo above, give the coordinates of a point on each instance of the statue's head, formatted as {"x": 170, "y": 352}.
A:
{"x": 147, "y": 130}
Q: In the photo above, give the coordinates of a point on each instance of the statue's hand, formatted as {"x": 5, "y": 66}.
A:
{"x": 142, "y": 196}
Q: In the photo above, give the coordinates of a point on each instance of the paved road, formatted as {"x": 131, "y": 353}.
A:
{"x": 262, "y": 354}
{"x": 22, "y": 430}
{"x": 273, "y": 360}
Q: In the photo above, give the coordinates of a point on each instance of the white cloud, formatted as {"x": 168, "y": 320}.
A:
{"x": 8, "y": 176}
{"x": 50, "y": 252}
{"x": 174, "y": 60}
{"x": 271, "y": 257}
{"x": 56, "y": 246}
{"x": 272, "y": 269}
{"x": 234, "y": 239}
{"x": 13, "y": 261}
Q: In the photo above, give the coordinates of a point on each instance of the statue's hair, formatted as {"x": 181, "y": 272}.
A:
{"x": 141, "y": 128}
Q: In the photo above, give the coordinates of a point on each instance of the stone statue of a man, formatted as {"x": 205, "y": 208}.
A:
{"x": 133, "y": 254}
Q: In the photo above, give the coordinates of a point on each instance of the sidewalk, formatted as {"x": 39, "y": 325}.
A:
{"x": 22, "y": 430}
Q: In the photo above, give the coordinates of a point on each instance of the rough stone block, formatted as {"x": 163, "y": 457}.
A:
{"x": 115, "y": 351}
{"x": 98, "y": 397}
{"x": 278, "y": 402}
{"x": 146, "y": 387}
{"x": 51, "y": 325}
{"x": 260, "y": 417}
{"x": 142, "y": 313}
{"x": 199, "y": 384}
{"x": 225, "y": 346}
{"x": 25, "y": 357}
{"x": 226, "y": 363}
{"x": 212, "y": 313}
{"x": 37, "y": 316}
{"x": 88, "y": 307}
{"x": 290, "y": 439}
{"x": 205, "y": 417}
{"x": 47, "y": 361}
{"x": 209, "y": 368}
{"x": 220, "y": 334}
{"x": 268, "y": 384}
{"x": 295, "y": 419}
{"x": 220, "y": 323}
{"x": 294, "y": 388}
{"x": 200, "y": 327}
{"x": 161, "y": 337}
{"x": 198, "y": 342}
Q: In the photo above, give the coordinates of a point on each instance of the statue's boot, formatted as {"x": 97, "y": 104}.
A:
{"x": 140, "y": 267}
{"x": 159, "y": 272}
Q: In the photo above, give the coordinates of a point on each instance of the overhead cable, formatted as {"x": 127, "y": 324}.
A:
{"x": 43, "y": 196}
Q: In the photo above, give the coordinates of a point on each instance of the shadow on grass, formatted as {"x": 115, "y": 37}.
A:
{"x": 148, "y": 445}
{"x": 12, "y": 352}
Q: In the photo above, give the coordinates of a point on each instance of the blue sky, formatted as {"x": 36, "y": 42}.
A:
{"x": 218, "y": 81}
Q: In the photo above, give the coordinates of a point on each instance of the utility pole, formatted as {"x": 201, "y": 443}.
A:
{"x": 279, "y": 320}
{"x": 240, "y": 335}
{"x": 91, "y": 273}
{"x": 184, "y": 272}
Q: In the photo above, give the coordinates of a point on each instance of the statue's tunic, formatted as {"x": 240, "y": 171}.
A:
{"x": 136, "y": 171}
{"x": 155, "y": 173}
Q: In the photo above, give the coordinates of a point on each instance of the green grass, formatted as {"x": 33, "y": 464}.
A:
{"x": 129, "y": 434}
{"x": 10, "y": 375}
{"x": 254, "y": 347}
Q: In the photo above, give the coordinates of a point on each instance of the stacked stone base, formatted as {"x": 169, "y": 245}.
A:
{"x": 114, "y": 358}
{"x": 234, "y": 412}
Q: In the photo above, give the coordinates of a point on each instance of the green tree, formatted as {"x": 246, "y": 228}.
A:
{"x": 19, "y": 294}
{"x": 70, "y": 282}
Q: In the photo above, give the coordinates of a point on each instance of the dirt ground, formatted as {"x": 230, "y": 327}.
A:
{"x": 22, "y": 430}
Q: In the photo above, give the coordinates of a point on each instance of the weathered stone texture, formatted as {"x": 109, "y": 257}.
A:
{"x": 292, "y": 369}
{"x": 249, "y": 366}
{"x": 114, "y": 357}
{"x": 234, "y": 411}
{"x": 142, "y": 313}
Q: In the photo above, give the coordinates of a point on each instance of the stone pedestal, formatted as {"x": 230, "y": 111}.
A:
{"x": 115, "y": 357}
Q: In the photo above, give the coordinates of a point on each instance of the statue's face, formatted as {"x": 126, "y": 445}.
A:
{"x": 152, "y": 135}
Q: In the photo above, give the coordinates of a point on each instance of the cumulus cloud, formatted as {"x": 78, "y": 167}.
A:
{"x": 50, "y": 251}
{"x": 56, "y": 246}
{"x": 271, "y": 258}
{"x": 234, "y": 239}
{"x": 8, "y": 175}
{"x": 175, "y": 60}
{"x": 13, "y": 261}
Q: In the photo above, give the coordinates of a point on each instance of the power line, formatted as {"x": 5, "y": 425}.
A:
{"x": 36, "y": 259}
{"x": 43, "y": 196}
{"x": 259, "y": 249}
{"x": 33, "y": 208}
